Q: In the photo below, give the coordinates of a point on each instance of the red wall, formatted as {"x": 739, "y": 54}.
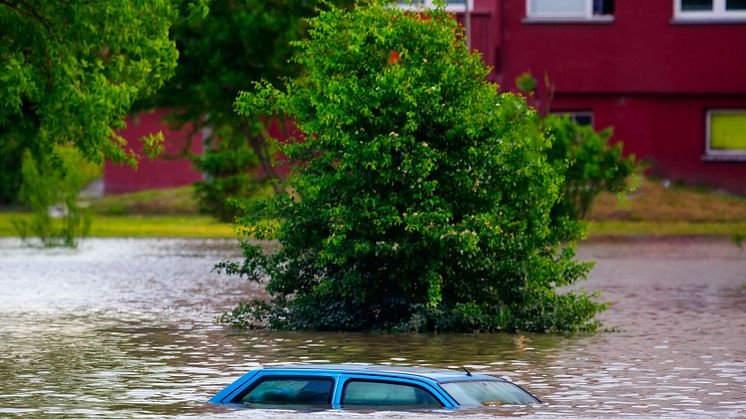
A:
{"x": 641, "y": 51}
{"x": 649, "y": 77}
{"x": 668, "y": 131}
{"x": 485, "y": 34}
{"x": 151, "y": 174}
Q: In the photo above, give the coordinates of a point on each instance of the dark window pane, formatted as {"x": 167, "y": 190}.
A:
{"x": 696, "y": 5}
{"x": 301, "y": 391}
{"x": 603, "y": 7}
{"x": 735, "y": 5}
{"x": 582, "y": 119}
{"x": 371, "y": 393}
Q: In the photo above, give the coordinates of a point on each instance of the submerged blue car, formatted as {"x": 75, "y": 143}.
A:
{"x": 369, "y": 387}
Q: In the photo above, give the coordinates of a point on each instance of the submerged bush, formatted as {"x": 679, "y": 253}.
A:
{"x": 421, "y": 197}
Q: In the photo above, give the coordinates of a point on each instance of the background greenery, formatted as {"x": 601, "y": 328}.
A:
{"x": 653, "y": 209}
{"x": 237, "y": 43}
{"x": 70, "y": 73}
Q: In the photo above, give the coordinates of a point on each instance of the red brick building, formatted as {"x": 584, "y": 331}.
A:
{"x": 668, "y": 75}
{"x": 151, "y": 174}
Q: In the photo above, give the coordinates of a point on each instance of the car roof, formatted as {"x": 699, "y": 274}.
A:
{"x": 437, "y": 374}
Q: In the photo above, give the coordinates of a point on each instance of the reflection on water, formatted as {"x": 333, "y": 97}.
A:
{"x": 126, "y": 328}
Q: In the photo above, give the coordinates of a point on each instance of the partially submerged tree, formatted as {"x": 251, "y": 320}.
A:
{"x": 421, "y": 198}
{"x": 70, "y": 72}
{"x": 238, "y": 43}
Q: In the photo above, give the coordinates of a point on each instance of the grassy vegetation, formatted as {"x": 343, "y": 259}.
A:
{"x": 657, "y": 208}
{"x": 653, "y": 201}
{"x": 153, "y": 202}
{"x": 644, "y": 228}
{"x": 160, "y": 226}
{"x": 653, "y": 210}
{"x": 153, "y": 213}
{"x": 140, "y": 226}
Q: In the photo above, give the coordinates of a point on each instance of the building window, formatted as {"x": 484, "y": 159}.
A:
{"x": 569, "y": 9}
{"x": 457, "y": 6}
{"x": 710, "y": 9}
{"x": 579, "y": 117}
{"x": 726, "y": 135}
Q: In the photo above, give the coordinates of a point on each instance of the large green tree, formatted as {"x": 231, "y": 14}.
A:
{"x": 237, "y": 43}
{"x": 70, "y": 71}
{"x": 422, "y": 197}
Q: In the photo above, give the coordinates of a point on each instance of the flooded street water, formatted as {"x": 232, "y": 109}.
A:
{"x": 127, "y": 328}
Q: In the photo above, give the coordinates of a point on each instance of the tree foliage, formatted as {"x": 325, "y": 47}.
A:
{"x": 421, "y": 198}
{"x": 70, "y": 72}
{"x": 239, "y": 42}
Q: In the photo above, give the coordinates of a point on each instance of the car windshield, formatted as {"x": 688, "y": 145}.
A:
{"x": 488, "y": 393}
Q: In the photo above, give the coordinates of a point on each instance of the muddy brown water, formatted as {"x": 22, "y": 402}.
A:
{"x": 127, "y": 328}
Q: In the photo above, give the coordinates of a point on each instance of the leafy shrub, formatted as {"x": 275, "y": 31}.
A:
{"x": 54, "y": 186}
{"x": 421, "y": 197}
{"x": 589, "y": 162}
{"x": 593, "y": 165}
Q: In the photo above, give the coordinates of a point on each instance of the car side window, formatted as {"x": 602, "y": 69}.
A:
{"x": 291, "y": 390}
{"x": 377, "y": 393}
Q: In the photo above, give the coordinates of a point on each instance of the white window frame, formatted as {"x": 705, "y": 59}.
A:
{"x": 718, "y": 12}
{"x": 711, "y": 154}
{"x": 430, "y": 4}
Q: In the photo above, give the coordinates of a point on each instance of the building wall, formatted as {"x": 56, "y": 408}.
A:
{"x": 152, "y": 174}
{"x": 667, "y": 131}
{"x": 485, "y": 31}
{"x": 641, "y": 51}
{"x": 650, "y": 77}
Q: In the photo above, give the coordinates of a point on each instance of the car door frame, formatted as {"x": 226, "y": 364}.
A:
{"x": 431, "y": 386}
{"x": 231, "y": 393}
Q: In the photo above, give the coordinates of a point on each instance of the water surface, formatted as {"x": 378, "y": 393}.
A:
{"x": 127, "y": 328}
